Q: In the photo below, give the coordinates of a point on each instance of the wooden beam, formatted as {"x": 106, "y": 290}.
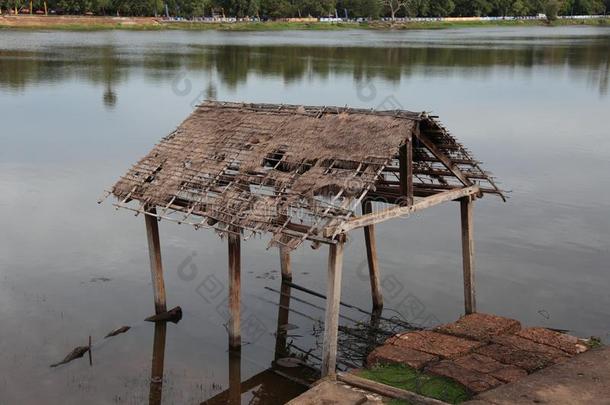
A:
{"x": 285, "y": 263}
{"x": 158, "y": 359}
{"x": 405, "y": 158}
{"x": 439, "y": 172}
{"x": 234, "y": 291}
{"x": 381, "y": 216}
{"x": 371, "y": 254}
{"x": 427, "y": 142}
{"x": 235, "y": 388}
{"x": 333, "y": 299}
{"x": 283, "y": 315}
{"x": 181, "y": 205}
{"x": 386, "y": 390}
{"x": 468, "y": 254}
{"x": 156, "y": 266}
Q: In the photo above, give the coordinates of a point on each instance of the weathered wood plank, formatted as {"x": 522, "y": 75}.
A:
{"x": 234, "y": 291}
{"x": 235, "y": 386}
{"x": 158, "y": 360}
{"x": 283, "y": 317}
{"x": 285, "y": 266}
{"x": 443, "y": 158}
{"x": 381, "y": 216}
{"x": 406, "y": 171}
{"x": 371, "y": 254}
{"x": 333, "y": 299}
{"x": 466, "y": 204}
{"x": 156, "y": 266}
{"x": 386, "y": 390}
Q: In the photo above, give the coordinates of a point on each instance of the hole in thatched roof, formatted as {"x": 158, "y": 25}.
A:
{"x": 289, "y": 170}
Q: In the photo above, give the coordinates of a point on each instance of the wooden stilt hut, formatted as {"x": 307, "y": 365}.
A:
{"x": 301, "y": 174}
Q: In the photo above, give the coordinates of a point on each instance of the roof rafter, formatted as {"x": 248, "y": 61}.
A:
{"x": 295, "y": 172}
{"x": 446, "y": 161}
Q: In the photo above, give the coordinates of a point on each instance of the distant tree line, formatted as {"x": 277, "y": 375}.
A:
{"x": 318, "y": 8}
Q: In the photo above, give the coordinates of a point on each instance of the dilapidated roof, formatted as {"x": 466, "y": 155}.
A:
{"x": 290, "y": 170}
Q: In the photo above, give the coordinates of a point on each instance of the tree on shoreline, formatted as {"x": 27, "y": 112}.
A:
{"x": 320, "y": 8}
{"x": 394, "y": 6}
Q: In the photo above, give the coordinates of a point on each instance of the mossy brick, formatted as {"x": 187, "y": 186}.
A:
{"x": 473, "y": 380}
{"x": 391, "y": 354}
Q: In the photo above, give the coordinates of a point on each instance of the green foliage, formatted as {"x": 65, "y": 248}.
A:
{"x": 551, "y": 9}
{"x": 371, "y": 9}
{"x": 425, "y": 384}
{"x": 360, "y": 8}
{"x": 578, "y": 7}
{"x": 594, "y": 342}
{"x": 441, "y": 8}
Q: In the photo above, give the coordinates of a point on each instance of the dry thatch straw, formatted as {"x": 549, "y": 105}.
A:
{"x": 288, "y": 170}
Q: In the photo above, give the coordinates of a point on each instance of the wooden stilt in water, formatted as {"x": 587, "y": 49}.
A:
{"x": 405, "y": 158}
{"x": 333, "y": 298}
{"x": 466, "y": 204}
{"x": 285, "y": 263}
{"x": 234, "y": 291}
{"x": 371, "y": 254}
{"x": 234, "y": 397}
{"x": 282, "y": 321}
{"x": 374, "y": 329}
{"x": 158, "y": 360}
{"x": 156, "y": 266}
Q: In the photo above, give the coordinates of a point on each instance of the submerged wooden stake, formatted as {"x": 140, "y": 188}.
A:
{"x": 234, "y": 291}
{"x": 283, "y": 314}
{"x": 156, "y": 267}
{"x": 234, "y": 391}
{"x": 333, "y": 298}
{"x": 468, "y": 255}
{"x": 158, "y": 360}
{"x": 90, "y": 357}
{"x": 371, "y": 254}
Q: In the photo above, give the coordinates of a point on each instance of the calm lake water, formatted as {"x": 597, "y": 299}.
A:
{"x": 77, "y": 109}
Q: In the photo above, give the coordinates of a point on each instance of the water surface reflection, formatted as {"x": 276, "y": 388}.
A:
{"x": 77, "y": 109}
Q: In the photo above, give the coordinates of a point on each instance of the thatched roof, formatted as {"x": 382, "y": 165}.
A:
{"x": 287, "y": 170}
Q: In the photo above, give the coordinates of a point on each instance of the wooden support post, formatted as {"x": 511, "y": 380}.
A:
{"x": 234, "y": 391}
{"x": 406, "y": 171}
{"x": 373, "y": 334}
{"x": 285, "y": 263}
{"x": 234, "y": 291}
{"x": 156, "y": 266}
{"x": 283, "y": 314}
{"x": 333, "y": 298}
{"x": 371, "y": 254}
{"x": 466, "y": 204}
{"x": 158, "y": 357}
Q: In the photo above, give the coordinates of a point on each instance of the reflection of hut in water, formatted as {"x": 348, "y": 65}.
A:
{"x": 302, "y": 174}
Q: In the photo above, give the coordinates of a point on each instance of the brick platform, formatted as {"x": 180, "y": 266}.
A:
{"x": 479, "y": 351}
{"x": 438, "y": 344}
{"x": 391, "y": 354}
{"x": 480, "y": 327}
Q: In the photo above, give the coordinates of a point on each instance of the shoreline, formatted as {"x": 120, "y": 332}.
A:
{"x": 97, "y": 23}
